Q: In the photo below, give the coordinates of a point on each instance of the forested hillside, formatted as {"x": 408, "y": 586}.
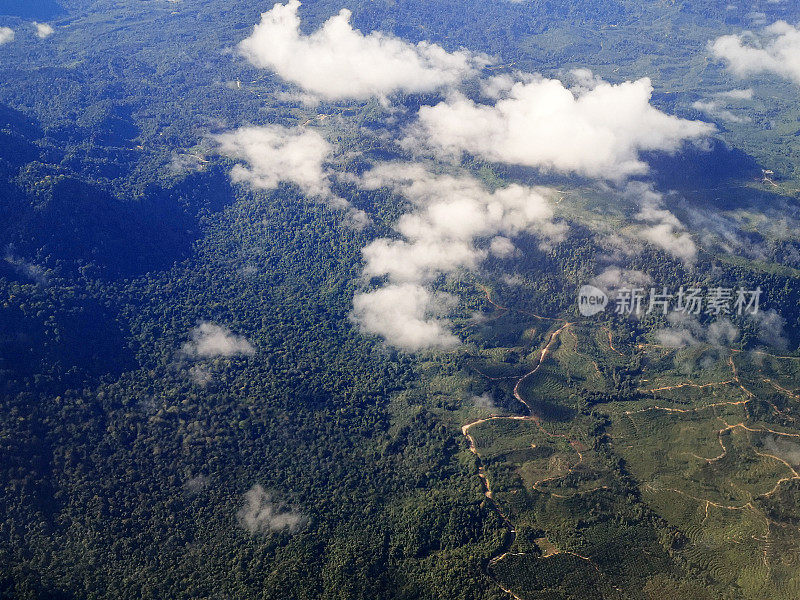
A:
{"x": 191, "y": 404}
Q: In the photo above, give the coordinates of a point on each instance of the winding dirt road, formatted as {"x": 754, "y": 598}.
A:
{"x": 505, "y": 548}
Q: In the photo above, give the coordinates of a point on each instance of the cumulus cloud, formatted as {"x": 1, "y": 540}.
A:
{"x": 201, "y": 375}
{"x": 596, "y": 131}
{"x": 502, "y": 247}
{"x": 686, "y": 330}
{"x": 274, "y": 154}
{"x": 722, "y": 333}
{"x": 208, "y": 340}
{"x": 484, "y": 402}
{"x": 675, "y": 337}
{"x": 716, "y": 109}
{"x": 6, "y": 35}
{"x": 739, "y": 94}
{"x": 261, "y": 513}
{"x": 337, "y": 61}
{"x": 583, "y": 80}
{"x": 614, "y": 278}
{"x": 406, "y": 315}
{"x": 659, "y": 226}
{"x": 775, "y": 50}
{"x": 43, "y": 30}
{"x": 770, "y": 328}
{"x": 669, "y": 237}
{"x": 455, "y": 224}
{"x": 724, "y": 232}
{"x": 719, "y": 106}
{"x": 450, "y": 214}
{"x": 757, "y": 18}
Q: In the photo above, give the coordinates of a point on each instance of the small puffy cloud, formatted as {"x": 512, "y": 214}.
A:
{"x": 686, "y": 330}
{"x": 502, "y": 247}
{"x": 195, "y": 485}
{"x": 722, "y": 333}
{"x": 614, "y": 278}
{"x": 770, "y": 328}
{"x": 186, "y": 163}
{"x": 668, "y": 237}
{"x": 43, "y": 30}
{"x": 261, "y": 513}
{"x": 201, "y": 375}
{"x": 675, "y": 338}
{"x": 208, "y": 340}
{"x": 776, "y": 50}
{"x": 6, "y": 35}
{"x": 274, "y": 154}
{"x": 583, "y": 80}
{"x": 783, "y": 449}
{"x": 25, "y": 268}
{"x": 484, "y": 402}
{"x": 716, "y": 110}
{"x": 729, "y": 232}
{"x": 659, "y": 226}
{"x": 497, "y": 86}
{"x": 337, "y": 61}
{"x": 405, "y": 315}
{"x": 740, "y": 94}
{"x": 595, "y": 132}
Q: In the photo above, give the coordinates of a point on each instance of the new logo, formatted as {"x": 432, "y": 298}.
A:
{"x": 591, "y": 300}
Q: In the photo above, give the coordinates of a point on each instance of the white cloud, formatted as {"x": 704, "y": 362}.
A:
{"x": 669, "y": 238}
{"x": 596, "y": 132}
{"x": 25, "y": 268}
{"x": 196, "y": 484}
{"x": 776, "y": 50}
{"x": 208, "y": 340}
{"x": 716, "y": 109}
{"x": 660, "y": 227}
{"x": 6, "y": 35}
{"x": 338, "y": 62}
{"x": 583, "y": 80}
{"x": 675, "y": 338}
{"x": 614, "y": 278}
{"x": 406, "y": 315}
{"x": 502, "y": 247}
{"x": 274, "y": 154}
{"x": 722, "y": 333}
{"x": 454, "y": 224}
{"x": 757, "y": 18}
{"x": 484, "y": 402}
{"x": 451, "y": 214}
{"x": 43, "y": 30}
{"x": 770, "y": 328}
{"x": 686, "y": 330}
{"x": 201, "y": 375}
{"x": 783, "y": 448}
{"x": 740, "y": 94}
{"x": 261, "y": 514}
